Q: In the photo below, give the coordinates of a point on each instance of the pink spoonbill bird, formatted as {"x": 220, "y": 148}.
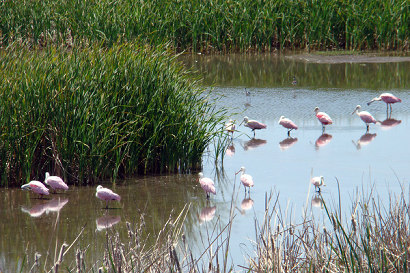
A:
{"x": 318, "y": 181}
{"x": 288, "y": 124}
{"x": 36, "y": 187}
{"x": 246, "y": 179}
{"x": 253, "y": 124}
{"x": 365, "y": 116}
{"x": 207, "y": 185}
{"x": 230, "y": 127}
{"x": 388, "y": 98}
{"x": 55, "y": 182}
{"x": 323, "y": 118}
{"x": 106, "y": 195}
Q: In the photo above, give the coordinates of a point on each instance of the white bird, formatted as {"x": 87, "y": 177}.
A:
{"x": 318, "y": 181}
{"x": 55, "y": 182}
{"x": 246, "y": 179}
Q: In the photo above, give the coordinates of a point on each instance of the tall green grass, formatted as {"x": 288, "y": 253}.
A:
{"x": 94, "y": 113}
{"x": 213, "y": 25}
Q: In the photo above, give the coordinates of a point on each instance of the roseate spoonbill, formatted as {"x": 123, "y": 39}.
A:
{"x": 323, "y": 140}
{"x": 36, "y": 187}
{"x": 288, "y": 124}
{"x": 106, "y": 195}
{"x": 246, "y": 179}
{"x": 365, "y": 116}
{"x": 207, "y": 185}
{"x": 323, "y": 118}
{"x": 388, "y": 98}
{"x": 318, "y": 181}
{"x": 287, "y": 143}
{"x": 55, "y": 182}
{"x": 230, "y": 127}
{"x": 253, "y": 124}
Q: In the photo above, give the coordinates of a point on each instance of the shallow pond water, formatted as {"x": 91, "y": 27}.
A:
{"x": 278, "y": 163}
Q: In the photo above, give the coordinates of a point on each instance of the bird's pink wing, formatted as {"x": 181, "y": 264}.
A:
{"x": 56, "y": 183}
{"x": 207, "y": 185}
{"x": 107, "y": 194}
{"x": 256, "y": 124}
{"x": 287, "y": 123}
{"x": 38, "y": 187}
{"x": 247, "y": 180}
{"x": 324, "y": 118}
{"x": 367, "y": 117}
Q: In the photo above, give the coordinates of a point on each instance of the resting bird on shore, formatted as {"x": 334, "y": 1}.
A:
{"x": 207, "y": 185}
{"x": 36, "y": 187}
{"x": 288, "y": 124}
{"x": 323, "y": 118}
{"x": 55, "y": 182}
{"x": 253, "y": 124}
{"x": 106, "y": 195}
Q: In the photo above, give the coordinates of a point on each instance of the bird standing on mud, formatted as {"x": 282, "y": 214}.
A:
{"x": 253, "y": 124}
{"x": 323, "y": 118}
{"x": 106, "y": 195}
{"x": 207, "y": 185}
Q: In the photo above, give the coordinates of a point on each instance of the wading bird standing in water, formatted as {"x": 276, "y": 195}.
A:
{"x": 36, "y": 187}
{"x": 207, "y": 185}
{"x": 365, "y": 116}
{"x": 246, "y": 179}
{"x": 318, "y": 181}
{"x": 323, "y": 118}
{"x": 230, "y": 127}
{"x": 288, "y": 124}
{"x": 253, "y": 124}
{"x": 55, "y": 182}
{"x": 388, "y": 98}
{"x": 106, "y": 195}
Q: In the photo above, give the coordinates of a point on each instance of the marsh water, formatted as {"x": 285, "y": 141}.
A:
{"x": 350, "y": 159}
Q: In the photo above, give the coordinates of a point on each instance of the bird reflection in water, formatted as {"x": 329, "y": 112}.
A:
{"x": 317, "y": 201}
{"x": 206, "y": 214}
{"x": 230, "y": 151}
{"x": 246, "y": 204}
{"x": 287, "y": 143}
{"x": 389, "y": 123}
{"x": 253, "y": 143}
{"x": 364, "y": 140}
{"x": 107, "y": 221}
{"x": 54, "y": 205}
{"x": 323, "y": 140}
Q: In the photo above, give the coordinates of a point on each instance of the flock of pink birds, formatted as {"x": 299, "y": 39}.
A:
{"x": 57, "y": 183}
{"x": 105, "y": 194}
{"x": 208, "y": 185}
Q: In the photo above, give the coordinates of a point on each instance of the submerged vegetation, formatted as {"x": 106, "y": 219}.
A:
{"x": 97, "y": 112}
{"x": 211, "y": 26}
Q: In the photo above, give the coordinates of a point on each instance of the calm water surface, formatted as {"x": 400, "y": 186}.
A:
{"x": 277, "y": 163}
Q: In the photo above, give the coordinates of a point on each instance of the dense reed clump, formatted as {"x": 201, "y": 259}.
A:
{"x": 213, "y": 25}
{"x": 94, "y": 113}
{"x": 373, "y": 238}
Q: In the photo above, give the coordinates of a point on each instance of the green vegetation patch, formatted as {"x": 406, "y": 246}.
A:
{"x": 96, "y": 113}
{"x": 212, "y": 25}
